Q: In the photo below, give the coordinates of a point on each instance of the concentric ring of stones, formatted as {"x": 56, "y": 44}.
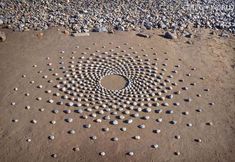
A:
{"x": 75, "y": 83}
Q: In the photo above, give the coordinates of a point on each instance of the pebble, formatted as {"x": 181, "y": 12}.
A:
{"x": 142, "y": 126}
{"x": 157, "y": 131}
{"x": 177, "y": 153}
{"x": 15, "y": 120}
{"x": 28, "y": 140}
{"x": 198, "y": 140}
{"x": 137, "y": 137}
{"x": 72, "y": 131}
{"x": 145, "y": 35}
{"x": 173, "y": 122}
{"x": 124, "y": 129}
{"x": 55, "y": 111}
{"x": 3, "y": 36}
{"x": 69, "y": 120}
{"x": 155, "y": 146}
{"x": 115, "y": 122}
{"x": 102, "y": 153}
{"x": 51, "y": 137}
{"x": 53, "y": 122}
{"x": 93, "y": 137}
{"x": 115, "y": 139}
{"x": 189, "y": 124}
{"x": 209, "y": 123}
{"x": 76, "y": 149}
{"x": 130, "y": 153}
{"x": 34, "y": 121}
{"x": 50, "y": 101}
{"x": 170, "y": 35}
{"x": 177, "y": 137}
{"x": 159, "y": 120}
{"x": 54, "y": 155}
{"x": 87, "y": 125}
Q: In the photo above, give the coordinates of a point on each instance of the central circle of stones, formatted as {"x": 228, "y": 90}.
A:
{"x": 144, "y": 91}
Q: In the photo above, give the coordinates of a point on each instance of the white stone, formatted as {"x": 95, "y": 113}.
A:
{"x": 34, "y": 121}
{"x": 102, "y": 153}
{"x": 51, "y": 137}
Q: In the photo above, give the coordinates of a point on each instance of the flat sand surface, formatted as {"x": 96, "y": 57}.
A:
{"x": 203, "y": 72}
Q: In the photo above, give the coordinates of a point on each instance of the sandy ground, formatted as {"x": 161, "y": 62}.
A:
{"x": 213, "y": 58}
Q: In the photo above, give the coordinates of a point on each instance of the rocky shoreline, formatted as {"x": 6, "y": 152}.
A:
{"x": 108, "y": 16}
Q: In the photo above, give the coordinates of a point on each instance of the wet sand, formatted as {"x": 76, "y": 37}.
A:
{"x": 211, "y": 56}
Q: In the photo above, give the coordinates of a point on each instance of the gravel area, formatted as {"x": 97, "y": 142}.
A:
{"x": 122, "y": 15}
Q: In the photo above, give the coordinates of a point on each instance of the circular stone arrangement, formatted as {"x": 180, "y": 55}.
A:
{"x": 114, "y": 87}
{"x": 142, "y": 78}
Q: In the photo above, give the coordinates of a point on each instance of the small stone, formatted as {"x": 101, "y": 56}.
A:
{"x": 145, "y": 35}
{"x": 189, "y": 124}
{"x": 155, "y": 146}
{"x": 130, "y": 153}
{"x": 198, "y": 140}
{"x": 39, "y": 98}
{"x": 102, "y": 154}
{"x": 15, "y": 120}
{"x": 50, "y": 101}
{"x": 142, "y": 126}
{"x": 71, "y": 131}
{"x": 114, "y": 139}
{"x": 177, "y": 137}
{"x": 159, "y": 120}
{"x": 114, "y": 122}
{"x": 136, "y": 137}
{"x": 124, "y": 129}
{"x": 34, "y": 121}
{"x": 129, "y": 121}
{"x": 76, "y": 149}
{"x": 55, "y": 111}
{"x": 27, "y": 107}
{"x": 185, "y": 113}
{"x": 51, "y": 137}
{"x": 28, "y": 140}
{"x": 66, "y": 32}
{"x": 169, "y": 111}
{"x": 87, "y": 126}
{"x": 99, "y": 29}
{"x": 199, "y": 110}
{"x": 2, "y": 36}
{"x": 67, "y": 111}
{"x": 177, "y": 153}
{"x": 70, "y": 104}
{"x": 157, "y": 131}
{"x": 53, "y": 122}
{"x": 105, "y": 129}
{"x": 54, "y": 155}
{"x": 40, "y": 35}
{"x": 170, "y": 35}
{"x": 173, "y": 122}
{"x": 93, "y": 137}
{"x": 69, "y": 120}
{"x": 209, "y": 123}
